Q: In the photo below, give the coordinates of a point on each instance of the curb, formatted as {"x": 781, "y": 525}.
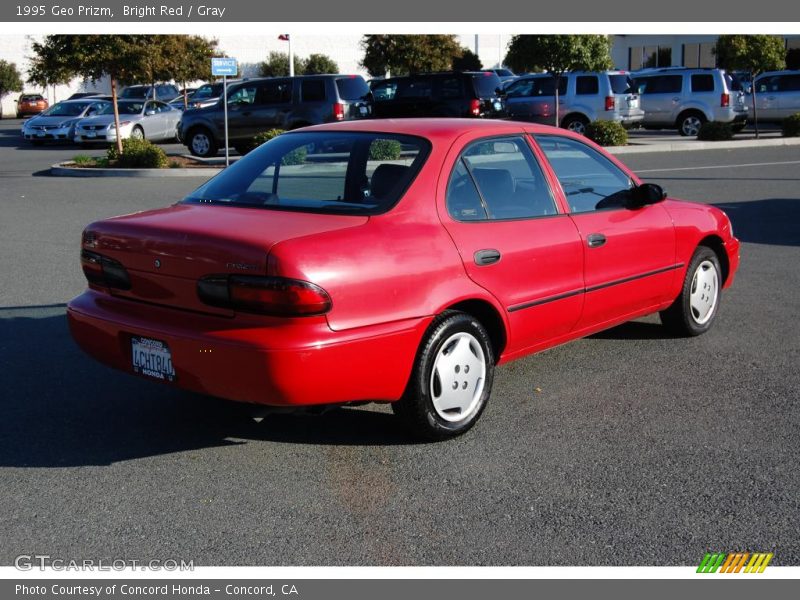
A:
{"x": 693, "y": 145}
{"x": 59, "y": 170}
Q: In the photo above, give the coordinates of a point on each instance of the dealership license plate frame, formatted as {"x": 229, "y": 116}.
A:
{"x": 161, "y": 367}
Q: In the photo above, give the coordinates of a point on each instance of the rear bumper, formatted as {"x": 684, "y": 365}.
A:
{"x": 292, "y": 362}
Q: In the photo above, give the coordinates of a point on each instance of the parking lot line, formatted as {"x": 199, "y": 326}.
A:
{"x": 764, "y": 164}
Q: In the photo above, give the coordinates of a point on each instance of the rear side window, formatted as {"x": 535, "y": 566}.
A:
{"x": 275, "y": 92}
{"x": 589, "y": 180}
{"x": 415, "y": 88}
{"x": 312, "y": 90}
{"x": 486, "y": 84}
{"x": 789, "y": 83}
{"x": 352, "y": 88}
{"x": 703, "y": 83}
{"x": 621, "y": 84}
{"x": 586, "y": 84}
{"x": 451, "y": 87}
{"x": 660, "y": 84}
{"x": 325, "y": 172}
{"x": 498, "y": 179}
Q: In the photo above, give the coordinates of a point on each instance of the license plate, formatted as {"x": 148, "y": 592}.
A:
{"x": 40, "y": 134}
{"x": 362, "y": 110}
{"x": 91, "y": 134}
{"x": 152, "y": 358}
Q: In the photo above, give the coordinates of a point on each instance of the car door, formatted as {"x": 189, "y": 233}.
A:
{"x": 789, "y": 95}
{"x": 273, "y": 105}
{"x": 629, "y": 254}
{"x": 170, "y": 117}
{"x": 660, "y": 96}
{"x": 767, "y": 91}
{"x": 241, "y": 110}
{"x": 514, "y": 241}
{"x": 152, "y": 121}
{"x": 520, "y": 99}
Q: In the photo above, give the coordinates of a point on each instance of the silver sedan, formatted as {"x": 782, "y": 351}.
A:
{"x": 151, "y": 120}
{"x": 58, "y": 122}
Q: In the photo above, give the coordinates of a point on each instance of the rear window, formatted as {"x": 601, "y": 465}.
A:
{"x": 486, "y": 84}
{"x": 703, "y": 83}
{"x": 32, "y": 97}
{"x": 621, "y": 84}
{"x": 325, "y": 172}
{"x": 352, "y": 88}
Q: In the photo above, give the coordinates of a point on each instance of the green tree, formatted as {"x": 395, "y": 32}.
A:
{"x": 753, "y": 53}
{"x": 404, "y": 54}
{"x": 277, "y": 65}
{"x": 96, "y": 56}
{"x": 189, "y": 59}
{"x": 317, "y": 64}
{"x": 467, "y": 61}
{"x": 558, "y": 54}
{"x": 48, "y": 68}
{"x": 10, "y": 80}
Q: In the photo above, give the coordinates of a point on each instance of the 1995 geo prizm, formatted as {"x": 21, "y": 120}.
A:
{"x": 394, "y": 261}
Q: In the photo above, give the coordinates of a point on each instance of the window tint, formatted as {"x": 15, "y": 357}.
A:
{"x": 789, "y": 83}
{"x": 589, "y": 180}
{"x": 586, "y": 84}
{"x": 275, "y": 92}
{"x": 245, "y": 94}
{"x": 312, "y": 90}
{"x": 621, "y": 84}
{"x": 352, "y": 88}
{"x": 660, "y": 84}
{"x": 509, "y": 182}
{"x": 326, "y": 172}
{"x": 545, "y": 86}
{"x": 520, "y": 89}
{"x": 703, "y": 83}
{"x": 450, "y": 87}
{"x": 415, "y": 88}
{"x": 384, "y": 90}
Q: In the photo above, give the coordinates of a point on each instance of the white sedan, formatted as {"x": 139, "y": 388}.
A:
{"x": 151, "y": 120}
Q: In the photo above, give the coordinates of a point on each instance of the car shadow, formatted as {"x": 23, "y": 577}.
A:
{"x": 774, "y": 221}
{"x": 634, "y": 330}
{"x": 60, "y": 408}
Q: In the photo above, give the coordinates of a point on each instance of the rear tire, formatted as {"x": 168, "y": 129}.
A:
{"x": 576, "y": 123}
{"x": 694, "y": 311}
{"x": 451, "y": 380}
{"x": 689, "y": 123}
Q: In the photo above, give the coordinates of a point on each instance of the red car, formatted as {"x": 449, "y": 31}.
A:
{"x": 31, "y": 104}
{"x": 394, "y": 261}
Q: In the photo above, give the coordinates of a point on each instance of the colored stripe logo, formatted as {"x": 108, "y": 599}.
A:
{"x": 736, "y": 562}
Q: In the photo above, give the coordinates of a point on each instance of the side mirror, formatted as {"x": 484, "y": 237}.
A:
{"x": 646, "y": 193}
{"x": 149, "y": 113}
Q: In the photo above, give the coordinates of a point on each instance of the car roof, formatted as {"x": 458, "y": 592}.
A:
{"x": 438, "y": 128}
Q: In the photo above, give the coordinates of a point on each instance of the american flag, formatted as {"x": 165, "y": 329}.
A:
{"x": 284, "y": 37}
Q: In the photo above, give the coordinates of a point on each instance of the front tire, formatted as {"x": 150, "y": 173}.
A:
{"x": 451, "y": 380}
{"x": 201, "y": 143}
{"x": 137, "y": 133}
{"x": 694, "y": 311}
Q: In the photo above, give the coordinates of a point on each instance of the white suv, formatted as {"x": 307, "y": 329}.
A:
{"x": 684, "y": 99}
{"x": 778, "y": 95}
{"x": 582, "y": 96}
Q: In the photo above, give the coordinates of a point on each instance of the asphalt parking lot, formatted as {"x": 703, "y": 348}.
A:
{"x": 625, "y": 448}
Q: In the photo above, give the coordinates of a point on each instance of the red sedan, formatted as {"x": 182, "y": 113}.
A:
{"x": 31, "y": 104}
{"x": 394, "y": 261}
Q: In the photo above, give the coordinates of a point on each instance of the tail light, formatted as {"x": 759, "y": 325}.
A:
{"x": 338, "y": 111}
{"x": 103, "y": 271}
{"x": 609, "y": 102}
{"x": 475, "y": 107}
{"x": 725, "y": 100}
{"x": 277, "y": 296}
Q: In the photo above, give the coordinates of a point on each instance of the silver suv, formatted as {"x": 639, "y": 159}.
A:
{"x": 582, "y": 96}
{"x": 778, "y": 95}
{"x": 684, "y": 99}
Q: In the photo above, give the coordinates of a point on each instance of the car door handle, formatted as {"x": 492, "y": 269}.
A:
{"x": 676, "y": 99}
{"x": 595, "y": 240}
{"x": 486, "y": 257}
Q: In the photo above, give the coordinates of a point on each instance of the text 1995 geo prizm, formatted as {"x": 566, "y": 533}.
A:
{"x": 396, "y": 261}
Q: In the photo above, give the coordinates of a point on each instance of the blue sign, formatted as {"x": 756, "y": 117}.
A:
{"x": 224, "y": 66}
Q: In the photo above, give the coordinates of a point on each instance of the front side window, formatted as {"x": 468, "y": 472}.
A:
{"x": 498, "y": 179}
{"x": 521, "y": 89}
{"x": 243, "y": 95}
{"x": 324, "y": 172}
{"x": 589, "y": 180}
